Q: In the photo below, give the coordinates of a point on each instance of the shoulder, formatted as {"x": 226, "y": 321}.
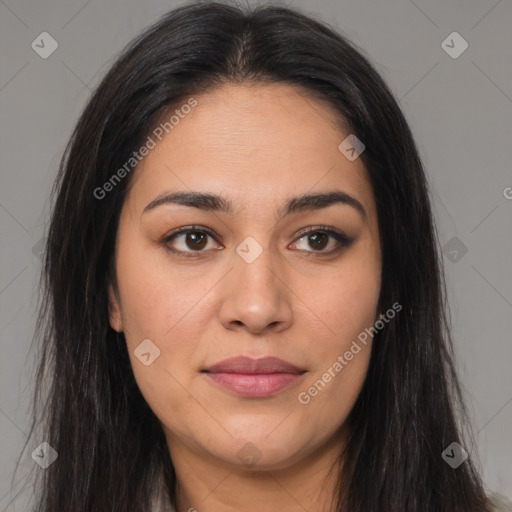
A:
{"x": 500, "y": 503}
{"x": 160, "y": 501}
{"x": 163, "y": 507}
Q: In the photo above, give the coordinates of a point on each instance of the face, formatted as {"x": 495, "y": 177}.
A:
{"x": 258, "y": 273}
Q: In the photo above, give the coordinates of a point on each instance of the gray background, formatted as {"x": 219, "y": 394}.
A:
{"x": 460, "y": 111}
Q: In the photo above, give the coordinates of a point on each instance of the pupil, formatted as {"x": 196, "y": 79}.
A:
{"x": 195, "y": 237}
{"x": 316, "y": 237}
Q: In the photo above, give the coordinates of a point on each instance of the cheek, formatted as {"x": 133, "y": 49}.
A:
{"x": 159, "y": 307}
{"x": 156, "y": 297}
{"x": 156, "y": 306}
{"x": 346, "y": 304}
{"x": 342, "y": 346}
{"x": 340, "y": 357}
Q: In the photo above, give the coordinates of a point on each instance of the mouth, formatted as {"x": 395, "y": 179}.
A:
{"x": 254, "y": 378}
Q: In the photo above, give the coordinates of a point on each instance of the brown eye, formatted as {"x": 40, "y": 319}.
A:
{"x": 192, "y": 242}
{"x": 195, "y": 240}
{"x": 188, "y": 241}
{"x": 316, "y": 240}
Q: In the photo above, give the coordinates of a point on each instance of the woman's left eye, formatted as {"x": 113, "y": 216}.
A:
{"x": 192, "y": 241}
{"x": 318, "y": 239}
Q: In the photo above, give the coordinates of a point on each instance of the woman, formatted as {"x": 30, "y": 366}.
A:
{"x": 244, "y": 307}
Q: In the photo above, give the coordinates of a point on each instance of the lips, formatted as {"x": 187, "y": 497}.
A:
{"x": 251, "y": 366}
{"x": 254, "y": 378}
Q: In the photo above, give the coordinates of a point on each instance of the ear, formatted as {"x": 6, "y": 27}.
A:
{"x": 114, "y": 310}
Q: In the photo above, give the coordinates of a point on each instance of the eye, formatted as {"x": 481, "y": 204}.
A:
{"x": 191, "y": 241}
{"x": 318, "y": 238}
{"x": 190, "y": 237}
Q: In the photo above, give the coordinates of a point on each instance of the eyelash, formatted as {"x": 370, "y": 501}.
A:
{"x": 342, "y": 239}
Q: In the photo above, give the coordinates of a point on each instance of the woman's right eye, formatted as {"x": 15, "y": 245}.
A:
{"x": 189, "y": 241}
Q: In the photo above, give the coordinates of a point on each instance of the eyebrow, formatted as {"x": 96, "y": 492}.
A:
{"x": 213, "y": 202}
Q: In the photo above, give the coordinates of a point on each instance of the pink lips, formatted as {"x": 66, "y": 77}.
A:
{"x": 254, "y": 378}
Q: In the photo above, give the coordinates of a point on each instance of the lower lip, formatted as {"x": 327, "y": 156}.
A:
{"x": 255, "y": 385}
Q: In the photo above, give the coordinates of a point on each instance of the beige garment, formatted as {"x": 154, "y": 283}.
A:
{"x": 501, "y": 504}
{"x": 161, "y": 506}
{"x": 159, "y": 500}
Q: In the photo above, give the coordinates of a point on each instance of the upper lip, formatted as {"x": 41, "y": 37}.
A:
{"x": 248, "y": 365}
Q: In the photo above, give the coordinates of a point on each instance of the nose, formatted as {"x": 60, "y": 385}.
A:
{"x": 255, "y": 295}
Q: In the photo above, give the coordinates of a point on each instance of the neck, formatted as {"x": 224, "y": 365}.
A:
{"x": 205, "y": 483}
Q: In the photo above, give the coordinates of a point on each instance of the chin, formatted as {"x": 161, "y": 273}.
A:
{"x": 256, "y": 451}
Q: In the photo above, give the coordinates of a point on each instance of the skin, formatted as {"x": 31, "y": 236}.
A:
{"x": 258, "y": 145}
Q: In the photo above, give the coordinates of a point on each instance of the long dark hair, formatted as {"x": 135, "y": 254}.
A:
{"x": 87, "y": 406}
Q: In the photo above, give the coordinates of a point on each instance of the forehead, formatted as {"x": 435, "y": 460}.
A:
{"x": 254, "y": 141}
